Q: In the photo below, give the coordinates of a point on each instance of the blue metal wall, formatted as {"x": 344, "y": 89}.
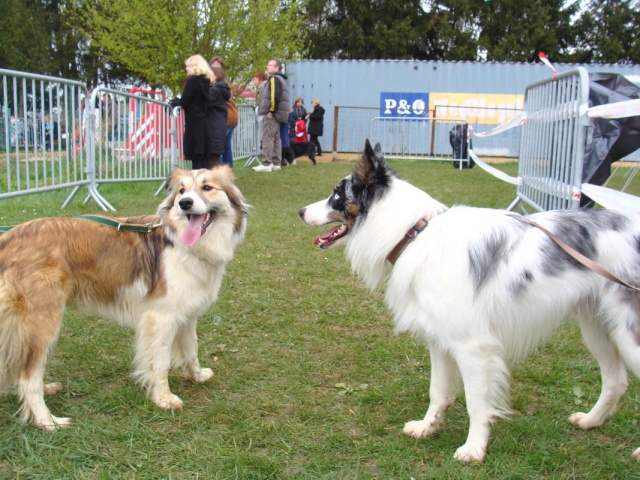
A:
{"x": 360, "y": 82}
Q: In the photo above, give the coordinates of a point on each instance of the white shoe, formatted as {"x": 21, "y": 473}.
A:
{"x": 293, "y": 163}
{"x": 275, "y": 167}
{"x": 263, "y": 168}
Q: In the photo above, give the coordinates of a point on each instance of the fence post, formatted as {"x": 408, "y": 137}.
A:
{"x": 336, "y": 118}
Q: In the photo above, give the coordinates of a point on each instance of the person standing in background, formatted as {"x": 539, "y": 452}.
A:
{"x": 273, "y": 103}
{"x": 259, "y": 80}
{"x": 194, "y": 100}
{"x": 316, "y": 124}
{"x": 232, "y": 116}
{"x": 298, "y": 112}
{"x": 219, "y": 94}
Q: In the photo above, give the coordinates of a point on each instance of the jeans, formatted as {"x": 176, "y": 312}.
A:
{"x": 227, "y": 156}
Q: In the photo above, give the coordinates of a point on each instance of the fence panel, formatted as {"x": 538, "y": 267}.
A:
{"x": 246, "y": 144}
{"x": 41, "y": 120}
{"x": 419, "y": 138}
{"x": 136, "y": 136}
{"x": 411, "y": 138}
{"x": 552, "y": 142}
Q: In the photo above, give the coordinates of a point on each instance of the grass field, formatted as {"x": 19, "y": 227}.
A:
{"x": 309, "y": 380}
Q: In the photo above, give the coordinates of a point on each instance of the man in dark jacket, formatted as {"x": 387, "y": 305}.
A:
{"x": 316, "y": 124}
{"x": 273, "y": 103}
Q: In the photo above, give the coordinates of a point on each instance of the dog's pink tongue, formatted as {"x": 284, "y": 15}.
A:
{"x": 193, "y": 230}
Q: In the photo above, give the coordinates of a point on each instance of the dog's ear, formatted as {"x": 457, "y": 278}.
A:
{"x": 371, "y": 163}
{"x": 171, "y": 178}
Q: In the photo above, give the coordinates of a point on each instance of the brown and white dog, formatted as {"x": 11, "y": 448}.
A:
{"x": 158, "y": 283}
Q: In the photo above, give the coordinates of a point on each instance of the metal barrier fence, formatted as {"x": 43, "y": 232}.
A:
{"x": 131, "y": 137}
{"x": 552, "y": 142}
{"x": 410, "y": 138}
{"x": 245, "y": 136}
{"x": 420, "y": 138}
{"x": 55, "y": 134}
{"x": 40, "y": 124}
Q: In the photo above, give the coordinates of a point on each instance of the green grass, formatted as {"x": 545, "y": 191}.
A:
{"x": 309, "y": 380}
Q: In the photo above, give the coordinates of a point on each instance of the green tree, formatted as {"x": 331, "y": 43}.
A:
{"x": 513, "y": 30}
{"x": 608, "y": 33}
{"x": 364, "y": 28}
{"x": 25, "y": 38}
{"x": 153, "y": 38}
{"x": 449, "y": 30}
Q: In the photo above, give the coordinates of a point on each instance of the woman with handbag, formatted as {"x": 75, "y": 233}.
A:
{"x": 232, "y": 116}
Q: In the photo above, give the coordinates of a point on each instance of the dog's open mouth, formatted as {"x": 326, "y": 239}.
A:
{"x": 332, "y": 236}
{"x": 198, "y": 224}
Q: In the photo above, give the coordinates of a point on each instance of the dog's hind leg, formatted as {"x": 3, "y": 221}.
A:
{"x": 31, "y": 390}
{"x": 39, "y": 339}
{"x": 185, "y": 353}
{"x": 486, "y": 385}
{"x": 612, "y": 370}
{"x": 442, "y": 392}
{"x": 619, "y": 343}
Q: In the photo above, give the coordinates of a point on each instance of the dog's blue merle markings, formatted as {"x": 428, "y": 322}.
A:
{"x": 519, "y": 285}
{"x": 579, "y": 232}
{"x": 577, "y": 229}
{"x": 485, "y": 254}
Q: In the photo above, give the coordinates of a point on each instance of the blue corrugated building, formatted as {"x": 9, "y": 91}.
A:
{"x": 476, "y": 91}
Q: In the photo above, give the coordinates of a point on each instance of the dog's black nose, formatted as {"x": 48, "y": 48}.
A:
{"x": 301, "y": 212}
{"x": 186, "y": 203}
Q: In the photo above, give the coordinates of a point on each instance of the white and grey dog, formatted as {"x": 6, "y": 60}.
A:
{"x": 482, "y": 288}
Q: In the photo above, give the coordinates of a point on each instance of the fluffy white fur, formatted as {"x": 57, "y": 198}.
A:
{"x": 482, "y": 289}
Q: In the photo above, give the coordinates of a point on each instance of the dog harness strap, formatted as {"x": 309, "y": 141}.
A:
{"x": 587, "y": 262}
{"x": 132, "y": 227}
{"x": 409, "y": 237}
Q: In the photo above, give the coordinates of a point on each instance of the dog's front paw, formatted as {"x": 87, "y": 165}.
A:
{"x": 170, "y": 402}
{"x": 636, "y": 455}
{"x": 420, "y": 428}
{"x": 470, "y": 454}
{"x": 203, "y": 375}
{"x": 52, "y": 423}
{"x": 584, "y": 421}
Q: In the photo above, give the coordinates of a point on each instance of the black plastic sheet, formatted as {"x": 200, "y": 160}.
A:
{"x": 612, "y": 139}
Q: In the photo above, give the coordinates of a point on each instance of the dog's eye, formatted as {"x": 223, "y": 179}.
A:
{"x": 181, "y": 191}
{"x": 207, "y": 188}
{"x": 336, "y": 196}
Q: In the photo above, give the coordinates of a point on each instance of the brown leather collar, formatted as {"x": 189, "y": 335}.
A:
{"x": 409, "y": 237}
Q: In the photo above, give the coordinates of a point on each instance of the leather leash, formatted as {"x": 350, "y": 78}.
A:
{"x": 131, "y": 227}
{"x": 587, "y": 262}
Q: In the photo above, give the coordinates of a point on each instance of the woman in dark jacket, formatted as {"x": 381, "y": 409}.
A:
{"x": 194, "y": 99}
{"x": 219, "y": 93}
{"x": 316, "y": 124}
